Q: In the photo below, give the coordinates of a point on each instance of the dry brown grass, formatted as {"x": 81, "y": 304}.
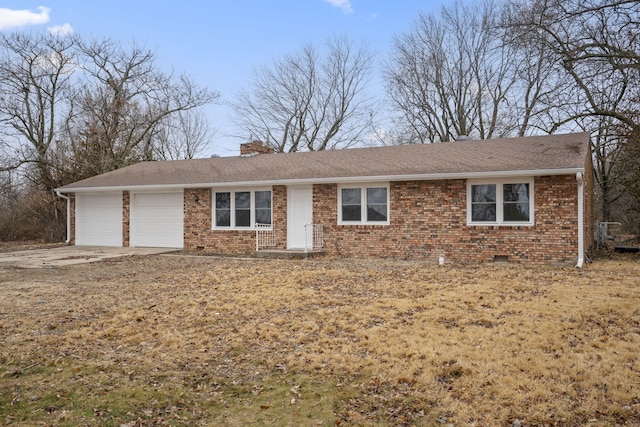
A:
{"x": 169, "y": 340}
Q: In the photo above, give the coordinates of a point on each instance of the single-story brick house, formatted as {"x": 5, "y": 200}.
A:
{"x": 521, "y": 199}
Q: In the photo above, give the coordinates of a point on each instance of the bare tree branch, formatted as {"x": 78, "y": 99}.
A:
{"x": 304, "y": 101}
{"x": 453, "y": 74}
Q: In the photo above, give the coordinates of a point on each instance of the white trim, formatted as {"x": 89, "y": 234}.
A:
{"x": 579, "y": 178}
{"x": 499, "y": 182}
{"x": 333, "y": 180}
{"x": 252, "y": 207}
{"x": 363, "y": 202}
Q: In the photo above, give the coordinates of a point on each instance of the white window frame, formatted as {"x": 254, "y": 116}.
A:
{"x": 252, "y": 192}
{"x": 499, "y": 183}
{"x": 363, "y": 203}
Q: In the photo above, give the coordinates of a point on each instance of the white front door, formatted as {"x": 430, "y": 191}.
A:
{"x": 299, "y": 213}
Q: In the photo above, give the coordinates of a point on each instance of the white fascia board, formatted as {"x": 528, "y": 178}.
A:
{"x": 332, "y": 180}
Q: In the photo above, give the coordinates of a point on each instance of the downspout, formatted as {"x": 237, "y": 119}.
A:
{"x": 68, "y": 199}
{"x": 579, "y": 178}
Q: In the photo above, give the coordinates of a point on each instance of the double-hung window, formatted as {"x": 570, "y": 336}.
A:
{"x": 507, "y": 201}
{"x": 363, "y": 204}
{"x": 241, "y": 209}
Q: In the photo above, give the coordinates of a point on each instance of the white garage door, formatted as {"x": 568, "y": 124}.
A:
{"x": 157, "y": 220}
{"x": 99, "y": 219}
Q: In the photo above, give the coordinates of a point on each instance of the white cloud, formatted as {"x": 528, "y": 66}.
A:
{"x": 61, "y": 30}
{"x": 345, "y": 5}
{"x": 10, "y": 18}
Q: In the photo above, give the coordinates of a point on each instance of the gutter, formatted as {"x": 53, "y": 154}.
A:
{"x": 68, "y": 199}
{"x": 579, "y": 178}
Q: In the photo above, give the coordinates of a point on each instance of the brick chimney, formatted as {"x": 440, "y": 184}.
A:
{"x": 253, "y": 148}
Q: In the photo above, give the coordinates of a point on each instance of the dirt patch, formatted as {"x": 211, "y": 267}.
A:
{"x": 170, "y": 340}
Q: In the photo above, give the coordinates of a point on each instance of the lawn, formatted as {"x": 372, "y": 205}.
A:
{"x": 188, "y": 341}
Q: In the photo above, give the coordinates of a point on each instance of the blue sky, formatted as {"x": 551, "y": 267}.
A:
{"x": 220, "y": 43}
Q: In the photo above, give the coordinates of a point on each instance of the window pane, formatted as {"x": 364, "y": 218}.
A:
{"x": 516, "y": 211}
{"x": 243, "y": 200}
{"x": 351, "y": 213}
{"x": 376, "y": 195}
{"x": 351, "y": 196}
{"x": 263, "y": 207}
{"x": 263, "y": 199}
{"x": 351, "y": 204}
{"x": 483, "y": 212}
{"x": 243, "y": 209}
{"x": 516, "y": 202}
{"x": 223, "y": 200}
{"x": 377, "y": 213}
{"x": 516, "y": 192}
{"x": 483, "y": 203}
{"x": 243, "y": 218}
{"x": 263, "y": 216}
{"x": 376, "y": 204}
{"x": 223, "y": 209}
{"x": 223, "y": 217}
{"x": 483, "y": 193}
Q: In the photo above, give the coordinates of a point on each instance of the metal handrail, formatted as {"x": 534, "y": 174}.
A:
{"x": 314, "y": 234}
{"x": 265, "y": 235}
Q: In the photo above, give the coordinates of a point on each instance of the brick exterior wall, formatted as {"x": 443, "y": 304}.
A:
{"x": 200, "y": 236}
{"x": 428, "y": 219}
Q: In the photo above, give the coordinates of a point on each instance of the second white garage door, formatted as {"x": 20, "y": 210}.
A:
{"x": 157, "y": 220}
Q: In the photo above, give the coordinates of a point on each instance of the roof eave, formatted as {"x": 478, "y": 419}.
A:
{"x": 330, "y": 180}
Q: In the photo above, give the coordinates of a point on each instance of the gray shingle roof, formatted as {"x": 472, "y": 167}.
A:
{"x": 552, "y": 153}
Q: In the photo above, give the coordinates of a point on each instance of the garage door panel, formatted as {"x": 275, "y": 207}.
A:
{"x": 99, "y": 219}
{"x": 157, "y": 220}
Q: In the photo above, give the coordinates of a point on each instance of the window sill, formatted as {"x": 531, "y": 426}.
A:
{"x": 382, "y": 224}
{"x": 238, "y": 228}
{"x": 500, "y": 225}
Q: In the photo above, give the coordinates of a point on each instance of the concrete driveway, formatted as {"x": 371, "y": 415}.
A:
{"x": 68, "y": 255}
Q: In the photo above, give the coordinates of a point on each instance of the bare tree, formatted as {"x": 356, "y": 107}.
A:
{"x": 36, "y": 71}
{"x": 454, "y": 75}
{"x": 307, "y": 101}
{"x": 122, "y": 105}
{"x": 184, "y": 135}
{"x": 596, "y": 43}
{"x": 630, "y": 164}
{"x": 70, "y": 109}
{"x": 608, "y": 174}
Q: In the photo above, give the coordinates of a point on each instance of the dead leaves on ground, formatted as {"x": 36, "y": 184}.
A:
{"x": 348, "y": 342}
